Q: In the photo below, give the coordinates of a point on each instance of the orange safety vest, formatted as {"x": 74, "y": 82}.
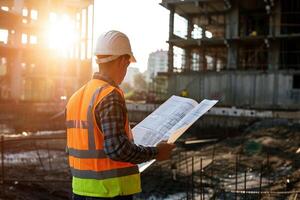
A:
{"x": 95, "y": 174}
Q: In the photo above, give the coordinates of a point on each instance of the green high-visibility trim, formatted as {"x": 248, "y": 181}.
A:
{"x": 105, "y": 174}
{"x": 111, "y": 187}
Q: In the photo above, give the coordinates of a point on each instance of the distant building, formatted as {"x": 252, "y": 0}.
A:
{"x": 157, "y": 62}
{"x": 243, "y": 53}
{"x": 131, "y": 72}
{"x": 45, "y": 48}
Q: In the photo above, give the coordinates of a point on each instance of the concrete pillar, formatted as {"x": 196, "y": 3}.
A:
{"x": 232, "y": 56}
{"x": 188, "y": 50}
{"x": 187, "y": 59}
{"x": 215, "y": 59}
{"x": 275, "y": 19}
{"x": 203, "y": 32}
{"x": 232, "y": 31}
{"x": 171, "y": 34}
{"x": 16, "y": 60}
{"x": 232, "y": 21}
{"x": 190, "y": 27}
{"x": 203, "y": 62}
{"x": 78, "y": 53}
{"x": 273, "y": 55}
{"x": 199, "y": 52}
{"x": 86, "y": 32}
{"x": 202, "y": 52}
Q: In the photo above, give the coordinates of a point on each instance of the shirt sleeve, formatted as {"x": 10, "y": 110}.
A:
{"x": 111, "y": 115}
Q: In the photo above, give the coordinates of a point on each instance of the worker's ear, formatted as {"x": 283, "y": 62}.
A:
{"x": 125, "y": 60}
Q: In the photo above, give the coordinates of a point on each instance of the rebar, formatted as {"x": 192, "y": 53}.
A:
{"x": 187, "y": 175}
{"x": 268, "y": 173}
{"x": 260, "y": 180}
{"x": 39, "y": 156}
{"x": 212, "y": 167}
{"x": 245, "y": 185}
{"x": 201, "y": 183}
{"x": 49, "y": 159}
{"x": 193, "y": 177}
{"x": 236, "y": 174}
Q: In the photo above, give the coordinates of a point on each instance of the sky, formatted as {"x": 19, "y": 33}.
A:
{"x": 145, "y": 22}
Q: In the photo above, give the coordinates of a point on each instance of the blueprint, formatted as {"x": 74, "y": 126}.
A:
{"x": 168, "y": 122}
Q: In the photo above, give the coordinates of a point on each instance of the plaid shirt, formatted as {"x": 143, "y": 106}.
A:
{"x": 111, "y": 115}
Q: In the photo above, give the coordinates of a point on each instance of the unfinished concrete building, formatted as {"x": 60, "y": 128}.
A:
{"x": 244, "y": 53}
{"x": 45, "y": 48}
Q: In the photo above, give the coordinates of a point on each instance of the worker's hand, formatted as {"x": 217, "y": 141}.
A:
{"x": 164, "y": 150}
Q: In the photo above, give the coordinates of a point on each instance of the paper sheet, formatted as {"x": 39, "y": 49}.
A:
{"x": 189, "y": 119}
{"x": 168, "y": 122}
{"x": 155, "y": 127}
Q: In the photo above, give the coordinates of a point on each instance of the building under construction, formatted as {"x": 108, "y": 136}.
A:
{"x": 45, "y": 48}
{"x": 244, "y": 53}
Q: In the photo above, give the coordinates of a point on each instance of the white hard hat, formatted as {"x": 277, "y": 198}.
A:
{"x": 115, "y": 44}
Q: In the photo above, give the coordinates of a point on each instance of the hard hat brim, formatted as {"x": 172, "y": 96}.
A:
{"x": 132, "y": 59}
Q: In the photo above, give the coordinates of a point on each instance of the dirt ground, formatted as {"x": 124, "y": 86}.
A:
{"x": 37, "y": 169}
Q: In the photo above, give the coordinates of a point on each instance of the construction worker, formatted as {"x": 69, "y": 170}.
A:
{"x": 102, "y": 155}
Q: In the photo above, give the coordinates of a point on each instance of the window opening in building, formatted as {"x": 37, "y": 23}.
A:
{"x": 208, "y": 34}
{"x": 24, "y": 38}
{"x": 180, "y": 26}
{"x": 178, "y": 59}
{"x": 25, "y": 12}
{"x": 197, "y": 32}
{"x": 33, "y": 39}
{"x": 34, "y": 14}
{"x": 5, "y": 8}
{"x": 3, "y": 36}
{"x": 296, "y": 81}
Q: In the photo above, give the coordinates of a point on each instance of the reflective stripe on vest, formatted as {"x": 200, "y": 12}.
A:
{"x": 90, "y": 117}
{"x": 87, "y": 153}
{"x": 105, "y": 174}
{"x": 77, "y": 124}
{"x": 77, "y": 156}
{"x": 91, "y": 152}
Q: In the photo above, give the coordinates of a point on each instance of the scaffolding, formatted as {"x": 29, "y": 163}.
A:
{"x": 219, "y": 35}
{"x": 231, "y": 38}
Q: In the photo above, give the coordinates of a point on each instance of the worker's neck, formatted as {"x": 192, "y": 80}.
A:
{"x": 108, "y": 74}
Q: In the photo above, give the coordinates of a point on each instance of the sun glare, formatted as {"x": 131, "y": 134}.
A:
{"x": 61, "y": 34}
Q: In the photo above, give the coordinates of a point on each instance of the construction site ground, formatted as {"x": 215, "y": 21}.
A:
{"x": 265, "y": 154}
